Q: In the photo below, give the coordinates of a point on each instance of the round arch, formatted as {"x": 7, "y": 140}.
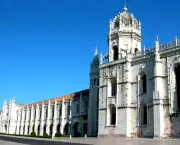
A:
{"x": 58, "y": 128}
{"x": 5, "y": 128}
{"x": 76, "y": 129}
{"x": 66, "y": 129}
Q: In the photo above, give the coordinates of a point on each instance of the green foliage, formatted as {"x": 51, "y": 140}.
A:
{"x": 33, "y": 134}
{"x": 58, "y": 135}
{"x": 46, "y": 135}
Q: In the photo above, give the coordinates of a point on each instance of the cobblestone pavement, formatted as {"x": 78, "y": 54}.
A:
{"x": 6, "y": 140}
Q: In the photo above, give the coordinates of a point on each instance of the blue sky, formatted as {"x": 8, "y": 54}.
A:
{"x": 46, "y": 46}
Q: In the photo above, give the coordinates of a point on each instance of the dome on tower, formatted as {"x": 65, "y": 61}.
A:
{"x": 124, "y": 20}
{"x": 126, "y": 17}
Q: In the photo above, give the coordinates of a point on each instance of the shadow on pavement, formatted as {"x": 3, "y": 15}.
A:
{"x": 36, "y": 142}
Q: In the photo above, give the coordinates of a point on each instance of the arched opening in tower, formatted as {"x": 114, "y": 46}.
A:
{"x": 116, "y": 52}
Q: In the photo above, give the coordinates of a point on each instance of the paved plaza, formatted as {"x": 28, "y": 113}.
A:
{"x": 6, "y": 140}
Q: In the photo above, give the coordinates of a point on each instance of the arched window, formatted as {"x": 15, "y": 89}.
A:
{"x": 177, "y": 72}
{"x": 116, "y": 25}
{"x": 112, "y": 110}
{"x": 143, "y": 83}
{"x": 116, "y": 52}
{"x": 143, "y": 114}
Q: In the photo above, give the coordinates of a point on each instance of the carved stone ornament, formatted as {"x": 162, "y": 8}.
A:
{"x": 142, "y": 68}
{"x": 114, "y": 43}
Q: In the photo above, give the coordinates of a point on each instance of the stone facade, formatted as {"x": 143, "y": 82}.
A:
{"x": 138, "y": 91}
{"x": 133, "y": 92}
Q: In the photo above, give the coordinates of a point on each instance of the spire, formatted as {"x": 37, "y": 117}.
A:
{"x": 157, "y": 44}
{"x": 157, "y": 38}
{"x": 96, "y": 51}
{"x": 125, "y": 7}
{"x": 5, "y": 102}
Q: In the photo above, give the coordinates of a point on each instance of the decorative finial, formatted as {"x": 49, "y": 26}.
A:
{"x": 96, "y": 51}
{"x": 125, "y": 7}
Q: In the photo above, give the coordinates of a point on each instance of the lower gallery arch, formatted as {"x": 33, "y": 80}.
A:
{"x": 19, "y": 129}
{"x": 58, "y": 128}
{"x": 76, "y": 130}
{"x": 66, "y": 129}
{"x": 85, "y": 128}
{"x": 51, "y": 129}
{"x": 38, "y": 132}
{"x": 5, "y": 128}
{"x": 23, "y": 130}
{"x": 28, "y": 130}
{"x": 33, "y": 128}
{"x": 44, "y": 129}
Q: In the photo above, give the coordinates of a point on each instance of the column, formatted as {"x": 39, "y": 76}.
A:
{"x": 22, "y": 121}
{"x": 18, "y": 122}
{"x": 48, "y": 117}
{"x": 31, "y": 120}
{"x": 62, "y": 116}
{"x": 26, "y": 120}
{"x": 36, "y": 120}
{"x": 70, "y": 117}
{"x": 42, "y": 118}
{"x": 54, "y": 120}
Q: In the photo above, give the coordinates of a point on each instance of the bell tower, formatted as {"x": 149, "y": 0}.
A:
{"x": 93, "y": 97}
{"x": 124, "y": 35}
